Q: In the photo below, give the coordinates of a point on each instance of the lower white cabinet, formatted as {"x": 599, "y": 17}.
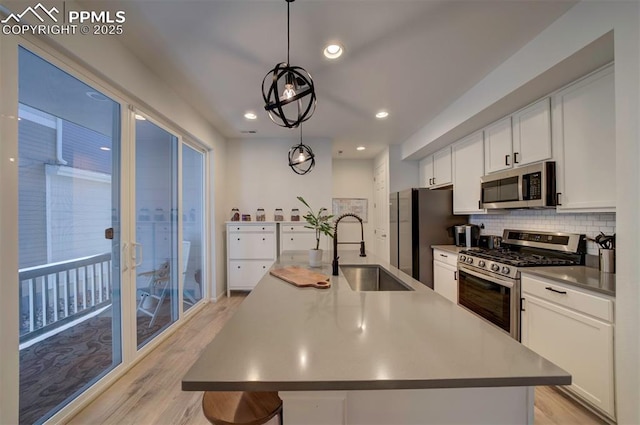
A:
{"x": 445, "y": 274}
{"x": 251, "y": 250}
{"x": 573, "y": 329}
{"x": 295, "y": 237}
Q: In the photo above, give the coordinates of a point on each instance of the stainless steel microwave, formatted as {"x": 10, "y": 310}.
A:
{"x": 533, "y": 186}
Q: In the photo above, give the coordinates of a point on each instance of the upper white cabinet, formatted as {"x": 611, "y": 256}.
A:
{"x": 585, "y": 143}
{"x": 520, "y": 139}
{"x": 532, "y": 133}
{"x": 468, "y": 168}
{"x": 498, "y": 143}
{"x": 435, "y": 170}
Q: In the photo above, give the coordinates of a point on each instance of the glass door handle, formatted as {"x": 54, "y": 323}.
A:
{"x": 137, "y": 262}
{"x": 124, "y": 257}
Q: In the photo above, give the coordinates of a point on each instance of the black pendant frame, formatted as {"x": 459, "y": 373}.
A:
{"x": 300, "y": 79}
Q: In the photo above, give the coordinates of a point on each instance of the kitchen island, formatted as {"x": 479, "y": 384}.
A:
{"x": 340, "y": 356}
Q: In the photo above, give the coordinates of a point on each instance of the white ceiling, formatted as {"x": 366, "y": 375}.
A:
{"x": 410, "y": 57}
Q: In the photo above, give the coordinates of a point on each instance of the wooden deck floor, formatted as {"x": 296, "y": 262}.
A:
{"x": 150, "y": 392}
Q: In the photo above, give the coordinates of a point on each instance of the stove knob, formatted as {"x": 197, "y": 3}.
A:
{"x": 506, "y": 270}
{"x": 495, "y": 267}
{"x": 481, "y": 263}
{"x": 469, "y": 260}
{"x": 462, "y": 258}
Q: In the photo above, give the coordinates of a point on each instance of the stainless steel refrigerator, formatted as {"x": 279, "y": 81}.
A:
{"x": 420, "y": 218}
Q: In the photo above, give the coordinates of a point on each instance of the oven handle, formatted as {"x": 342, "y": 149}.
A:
{"x": 502, "y": 282}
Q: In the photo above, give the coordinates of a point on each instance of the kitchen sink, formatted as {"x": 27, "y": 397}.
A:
{"x": 372, "y": 278}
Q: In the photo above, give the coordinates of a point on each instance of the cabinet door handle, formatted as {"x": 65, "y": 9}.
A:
{"x": 522, "y": 304}
{"x": 238, "y": 238}
{"x": 291, "y": 238}
{"x": 434, "y": 181}
{"x": 558, "y": 198}
{"x": 445, "y": 256}
{"x": 479, "y": 205}
{"x": 455, "y": 275}
{"x": 549, "y": 288}
{"x": 506, "y": 160}
{"x": 238, "y": 266}
{"x": 515, "y": 157}
{"x": 264, "y": 267}
{"x": 263, "y": 239}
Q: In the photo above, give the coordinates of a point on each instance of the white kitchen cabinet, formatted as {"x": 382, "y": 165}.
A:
{"x": 468, "y": 168}
{"x": 520, "y": 139}
{"x": 445, "y": 274}
{"x": 498, "y": 142}
{"x": 532, "y": 133}
{"x": 585, "y": 142}
{"x": 251, "y": 250}
{"x": 436, "y": 169}
{"x": 573, "y": 329}
{"x": 295, "y": 237}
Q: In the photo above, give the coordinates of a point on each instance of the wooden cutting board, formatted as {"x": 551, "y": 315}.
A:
{"x": 302, "y": 277}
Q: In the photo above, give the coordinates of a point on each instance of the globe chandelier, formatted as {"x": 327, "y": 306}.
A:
{"x": 288, "y": 91}
{"x": 301, "y": 157}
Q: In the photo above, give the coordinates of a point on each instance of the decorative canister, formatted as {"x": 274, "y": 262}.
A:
{"x": 235, "y": 214}
{"x": 260, "y": 215}
{"x": 278, "y": 215}
{"x": 295, "y": 214}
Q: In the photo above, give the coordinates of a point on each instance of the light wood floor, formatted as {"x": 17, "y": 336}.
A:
{"x": 150, "y": 392}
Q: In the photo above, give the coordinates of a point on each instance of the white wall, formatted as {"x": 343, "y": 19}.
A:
{"x": 258, "y": 176}
{"x": 580, "y": 26}
{"x": 353, "y": 178}
{"x": 548, "y": 220}
{"x": 403, "y": 174}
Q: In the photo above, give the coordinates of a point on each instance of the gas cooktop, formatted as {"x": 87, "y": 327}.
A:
{"x": 526, "y": 249}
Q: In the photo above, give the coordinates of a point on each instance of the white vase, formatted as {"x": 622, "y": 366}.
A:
{"x": 315, "y": 257}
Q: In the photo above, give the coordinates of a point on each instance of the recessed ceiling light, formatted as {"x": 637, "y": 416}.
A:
{"x": 333, "y": 51}
{"x": 139, "y": 117}
{"x": 382, "y": 115}
{"x": 250, "y": 116}
{"x": 97, "y": 96}
{"x": 105, "y": 148}
{"x": 360, "y": 148}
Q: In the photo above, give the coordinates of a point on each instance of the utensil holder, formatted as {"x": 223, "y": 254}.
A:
{"x": 607, "y": 260}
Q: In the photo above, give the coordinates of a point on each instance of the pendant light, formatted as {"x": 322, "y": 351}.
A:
{"x": 301, "y": 157}
{"x": 288, "y": 91}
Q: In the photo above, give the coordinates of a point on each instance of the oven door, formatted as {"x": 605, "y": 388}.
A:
{"x": 493, "y": 298}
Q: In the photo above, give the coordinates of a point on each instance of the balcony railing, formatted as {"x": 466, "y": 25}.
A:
{"x": 53, "y": 294}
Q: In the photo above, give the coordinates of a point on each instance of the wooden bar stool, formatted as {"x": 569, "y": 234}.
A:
{"x": 241, "y": 407}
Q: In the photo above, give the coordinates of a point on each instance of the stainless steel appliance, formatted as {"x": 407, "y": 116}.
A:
{"x": 489, "y": 279}
{"x": 420, "y": 218}
{"x": 489, "y": 241}
{"x": 466, "y": 235}
{"x": 533, "y": 186}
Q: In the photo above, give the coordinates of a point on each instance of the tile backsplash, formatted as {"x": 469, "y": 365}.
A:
{"x": 590, "y": 224}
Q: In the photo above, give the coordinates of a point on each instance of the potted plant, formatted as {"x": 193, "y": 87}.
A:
{"x": 321, "y": 223}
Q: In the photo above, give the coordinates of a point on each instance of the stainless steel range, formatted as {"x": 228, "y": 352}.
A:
{"x": 489, "y": 279}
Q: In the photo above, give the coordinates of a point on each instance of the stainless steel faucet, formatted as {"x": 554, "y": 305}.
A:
{"x": 335, "y": 240}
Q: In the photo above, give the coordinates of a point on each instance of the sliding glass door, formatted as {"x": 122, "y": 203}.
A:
{"x": 69, "y": 236}
{"x": 157, "y": 270}
{"x": 193, "y": 198}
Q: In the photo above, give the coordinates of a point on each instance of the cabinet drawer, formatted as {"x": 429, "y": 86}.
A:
{"x": 252, "y": 245}
{"x": 295, "y": 228}
{"x": 568, "y": 297}
{"x": 251, "y": 228}
{"x": 246, "y": 274}
{"x": 295, "y": 241}
{"x": 445, "y": 257}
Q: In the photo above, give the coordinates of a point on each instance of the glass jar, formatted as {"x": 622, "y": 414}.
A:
{"x": 260, "y": 215}
{"x": 278, "y": 215}
{"x": 295, "y": 214}
{"x": 235, "y": 214}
